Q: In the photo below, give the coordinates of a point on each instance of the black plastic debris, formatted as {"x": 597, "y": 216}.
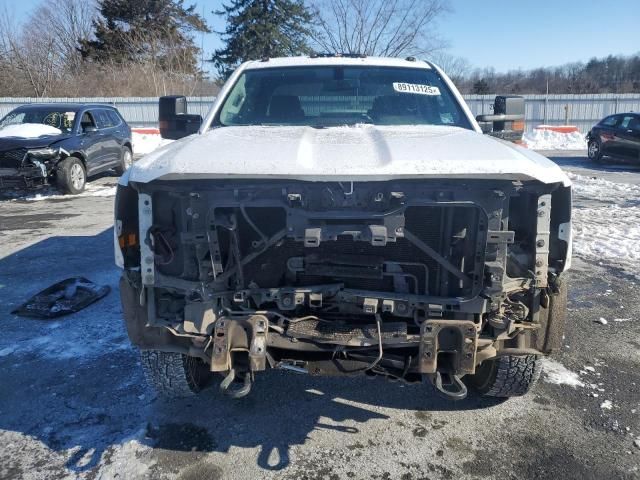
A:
{"x": 65, "y": 297}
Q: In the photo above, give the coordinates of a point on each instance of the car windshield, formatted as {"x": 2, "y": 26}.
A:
{"x": 54, "y": 118}
{"x": 329, "y": 96}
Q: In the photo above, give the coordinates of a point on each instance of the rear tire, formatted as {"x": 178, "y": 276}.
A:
{"x": 126, "y": 160}
{"x": 594, "y": 151}
{"x": 174, "y": 375}
{"x": 71, "y": 176}
{"x": 507, "y": 376}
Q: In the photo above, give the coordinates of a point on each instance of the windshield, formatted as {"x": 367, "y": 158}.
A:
{"x": 330, "y": 96}
{"x": 61, "y": 120}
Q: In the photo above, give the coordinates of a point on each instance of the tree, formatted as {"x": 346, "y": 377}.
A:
{"x": 157, "y": 31}
{"x": 481, "y": 87}
{"x": 390, "y": 28}
{"x": 457, "y": 68}
{"x": 68, "y": 21}
{"x": 262, "y": 28}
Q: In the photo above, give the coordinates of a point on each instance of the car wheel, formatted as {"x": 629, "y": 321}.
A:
{"x": 71, "y": 177}
{"x": 174, "y": 375}
{"x": 507, "y": 376}
{"x": 594, "y": 151}
{"x": 126, "y": 160}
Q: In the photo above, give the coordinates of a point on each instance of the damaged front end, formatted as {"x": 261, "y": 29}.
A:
{"x": 402, "y": 278}
{"x": 28, "y": 168}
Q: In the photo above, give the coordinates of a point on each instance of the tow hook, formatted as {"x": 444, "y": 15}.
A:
{"x": 452, "y": 386}
{"x": 236, "y": 387}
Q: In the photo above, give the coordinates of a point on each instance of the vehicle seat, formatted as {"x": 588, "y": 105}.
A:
{"x": 285, "y": 108}
{"x": 634, "y": 124}
{"x": 86, "y": 121}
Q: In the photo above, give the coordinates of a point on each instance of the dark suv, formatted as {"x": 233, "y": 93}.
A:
{"x": 62, "y": 143}
{"x": 615, "y": 136}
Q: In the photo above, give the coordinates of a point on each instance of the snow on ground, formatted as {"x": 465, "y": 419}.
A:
{"x": 51, "y": 193}
{"x": 550, "y": 140}
{"x": 29, "y": 130}
{"x": 556, "y": 373}
{"x": 144, "y": 143}
{"x": 606, "y": 223}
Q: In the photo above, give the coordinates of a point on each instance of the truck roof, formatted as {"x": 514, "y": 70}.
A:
{"x": 336, "y": 61}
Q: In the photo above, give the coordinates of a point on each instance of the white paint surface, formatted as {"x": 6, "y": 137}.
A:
{"x": 356, "y": 153}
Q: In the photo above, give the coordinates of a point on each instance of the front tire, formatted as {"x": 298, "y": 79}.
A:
{"x": 174, "y": 375}
{"x": 594, "y": 151}
{"x": 71, "y": 177}
{"x": 126, "y": 160}
{"x": 507, "y": 376}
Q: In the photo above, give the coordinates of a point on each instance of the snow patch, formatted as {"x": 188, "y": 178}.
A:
{"x": 50, "y": 193}
{"x": 606, "y": 405}
{"x": 144, "y": 143}
{"x": 29, "y": 130}
{"x": 606, "y": 228}
{"x": 550, "y": 140}
{"x": 558, "y": 374}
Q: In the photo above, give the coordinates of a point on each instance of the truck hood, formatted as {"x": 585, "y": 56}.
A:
{"x": 346, "y": 153}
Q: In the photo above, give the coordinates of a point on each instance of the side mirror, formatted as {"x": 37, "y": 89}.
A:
{"x": 89, "y": 130}
{"x": 507, "y": 121}
{"x": 173, "y": 119}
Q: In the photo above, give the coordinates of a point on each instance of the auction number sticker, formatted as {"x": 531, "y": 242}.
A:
{"x": 415, "y": 88}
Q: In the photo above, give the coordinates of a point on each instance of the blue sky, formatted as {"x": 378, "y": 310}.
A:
{"x": 504, "y": 34}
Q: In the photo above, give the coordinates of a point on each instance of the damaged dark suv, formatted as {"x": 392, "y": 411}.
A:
{"x": 343, "y": 216}
{"x": 62, "y": 144}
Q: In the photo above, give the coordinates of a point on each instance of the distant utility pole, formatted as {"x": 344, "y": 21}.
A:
{"x": 546, "y": 103}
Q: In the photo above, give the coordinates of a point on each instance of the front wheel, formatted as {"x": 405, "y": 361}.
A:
{"x": 174, "y": 375}
{"x": 71, "y": 177}
{"x": 507, "y": 376}
{"x": 594, "y": 151}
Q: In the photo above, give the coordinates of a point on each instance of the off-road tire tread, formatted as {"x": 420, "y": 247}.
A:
{"x": 514, "y": 376}
{"x": 172, "y": 375}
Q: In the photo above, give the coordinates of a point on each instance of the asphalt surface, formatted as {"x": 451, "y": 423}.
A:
{"x": 73, "y": 402}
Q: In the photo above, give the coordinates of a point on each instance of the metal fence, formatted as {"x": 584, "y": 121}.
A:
{"x": 137, "y": 111}
{"x": 580, "y": 110}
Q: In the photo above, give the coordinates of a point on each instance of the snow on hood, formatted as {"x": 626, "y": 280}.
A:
{"x": 29, "y": 130}
{"x": 358, "y": 153}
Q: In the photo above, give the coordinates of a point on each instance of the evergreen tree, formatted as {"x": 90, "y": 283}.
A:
{"x": 262, "y": 28}
{"x": 481, "y": 87}
{"x": 157, "y": 31}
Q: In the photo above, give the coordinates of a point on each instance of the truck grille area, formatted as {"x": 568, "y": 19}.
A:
{"x": 399, "y": 266}
{"x": 389, "y": 246}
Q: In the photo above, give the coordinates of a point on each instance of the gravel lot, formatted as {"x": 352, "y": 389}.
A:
{"x": 73, "y": 403}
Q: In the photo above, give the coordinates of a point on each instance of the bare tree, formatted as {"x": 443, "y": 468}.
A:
{"x": 457, "y": 68}
{"x": 69, "y": 21}
{"x": 32, "y": 56}
{"x": 378, "y": 27}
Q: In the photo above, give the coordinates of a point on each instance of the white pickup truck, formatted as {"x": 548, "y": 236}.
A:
{"x": 337, "y": 216}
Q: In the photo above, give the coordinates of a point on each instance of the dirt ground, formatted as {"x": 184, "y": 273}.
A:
{"x": 73, "y": 402}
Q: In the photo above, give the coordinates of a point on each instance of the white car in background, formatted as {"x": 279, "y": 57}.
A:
{"x": 342, "y": 215}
